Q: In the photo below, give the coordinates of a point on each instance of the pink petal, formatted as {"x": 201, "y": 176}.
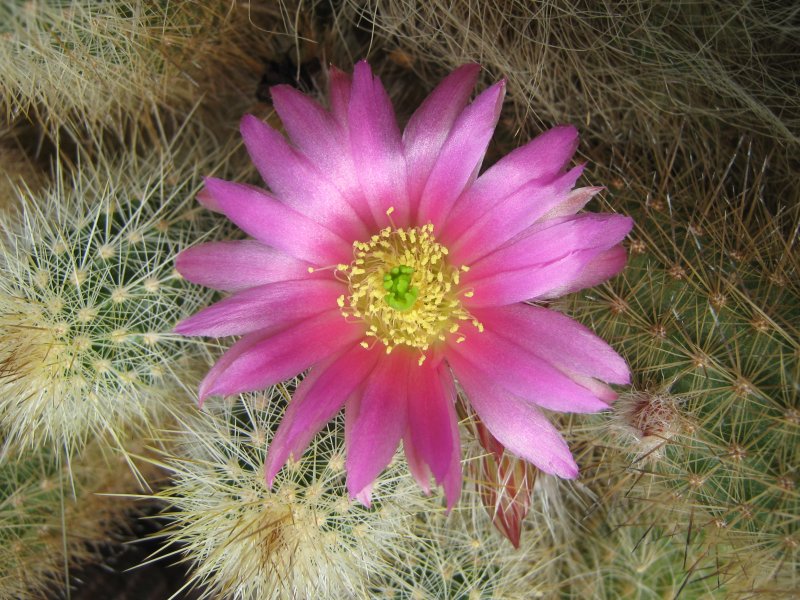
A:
{"x": 274, "y": 224}
{"x": 598, "y": 388}
{"x": 575, "y": 201}
{"x": 377, "y": 148}
{"x": 326, "y": 144}
{"x": 239, "y": 348}
{"x": 461, "y": 155}
{"x": 431, "y": 122}
{"x": 549, "y": 257}
{"x": 262, "y": 307}
{"x": 295, "y": 180}
{"x": 278, "y": 356}
{"x": 315, "y": 402}
{"x": 522, "y": 373}
{"x": 235, "y": 265}
{"x": 550, "y": 240}
{"x": 340, "y": 85}
{"x": 556, "y": 338}
{"x": 544, "y": 157}
{"x": 381, "y": 421}
{"x": 419, "y": 469}
{"x": 207, "y": 200}
{"x": 603, "y": 266}
{"x": 352, "y": 407}
{"x": 537, "y": 282}
{"x": 511, "y": 216}
{"x": 519, "y": 426}
{"x": 310, "y": 127}
{"x": 452, "y": 479}
{"x": 351, "y": 410}
{"x": 430, "y": 419}
{"x": 365, "y": 495}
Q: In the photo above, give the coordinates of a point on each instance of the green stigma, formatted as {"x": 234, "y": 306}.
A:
{"x": 401, "y": 295}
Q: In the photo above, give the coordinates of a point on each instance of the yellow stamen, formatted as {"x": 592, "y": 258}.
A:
{"x": 404, "y": 289}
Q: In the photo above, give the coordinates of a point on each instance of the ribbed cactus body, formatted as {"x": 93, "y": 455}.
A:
{"x": 89, "y": 297}
{"x": 708, "y": 440}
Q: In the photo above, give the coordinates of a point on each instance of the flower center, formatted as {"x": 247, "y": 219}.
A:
{"x": 401, "y": 294}
{"x": 404, "y": 289}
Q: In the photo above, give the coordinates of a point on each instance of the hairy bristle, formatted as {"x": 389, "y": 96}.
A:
{"x": 306, "y": 538}
{"x": 55, "y": 516}
{"x": 706, "y": 315}
{"x": 89, "y": 296}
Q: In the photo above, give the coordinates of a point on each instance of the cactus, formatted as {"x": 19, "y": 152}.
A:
{"x": 628, "y": 562}
{"x": 306, "y": 538}
{"x": 621, "y": 69}
{"x": 709, "y": 438}
{"x": 89, "y": 296}
{"x": 16, "y": 171}
{"x": 54, "y": 516}
{"x": 90, "y": 63}
{"x": 689, "y": 485}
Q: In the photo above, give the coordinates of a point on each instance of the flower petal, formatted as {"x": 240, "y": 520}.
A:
{"x": 310, "y": 127}
{"x": 419, "y": 469}
{"x": 537, "y": 282}
{"x": 550, "y": 240}
{"x": 430, "y": 419}
{"x": 326, "y": 144}
{"x": 452, "y": 479}
{"x": 365, "y": 495}
{"x": 519, "y": 426}
{"x": 279, "y": 356}
{"x": 428, "y": 127}
{"x": 381, "y": 421}
{"x": 235, "y": 265}
{"x": 295, "y": 180}
{"x": 340, "y": 84}
{"x": 598, "y": 388}
{"x": 352, "y": 407}
{"x": 461, "y": 156}
{"x": 274, "y": 224}
{"x": 315, "y": 402}
{"x": 376, "y": 147}
{"x": 544, "y": 157}
{"x": 265, "y": 306}
{"x": 511, "y": 216}
{"x": 522, "y": 373}
{"x": 238, "y": 349}
{"x": 556, "y": 338}
{"x": 575, "y": 201}
{"x": 603, "y": 266}
{"x": 207, "y": 201}
{"x": 549, "y": 257}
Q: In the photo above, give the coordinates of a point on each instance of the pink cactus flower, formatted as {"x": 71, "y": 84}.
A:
{"x": 384, "y": 263}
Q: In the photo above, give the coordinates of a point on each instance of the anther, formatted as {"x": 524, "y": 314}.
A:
{"x": 402, "y": 288}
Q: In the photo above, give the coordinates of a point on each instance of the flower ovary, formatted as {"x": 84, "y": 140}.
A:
{"x": 401, "y": 294}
